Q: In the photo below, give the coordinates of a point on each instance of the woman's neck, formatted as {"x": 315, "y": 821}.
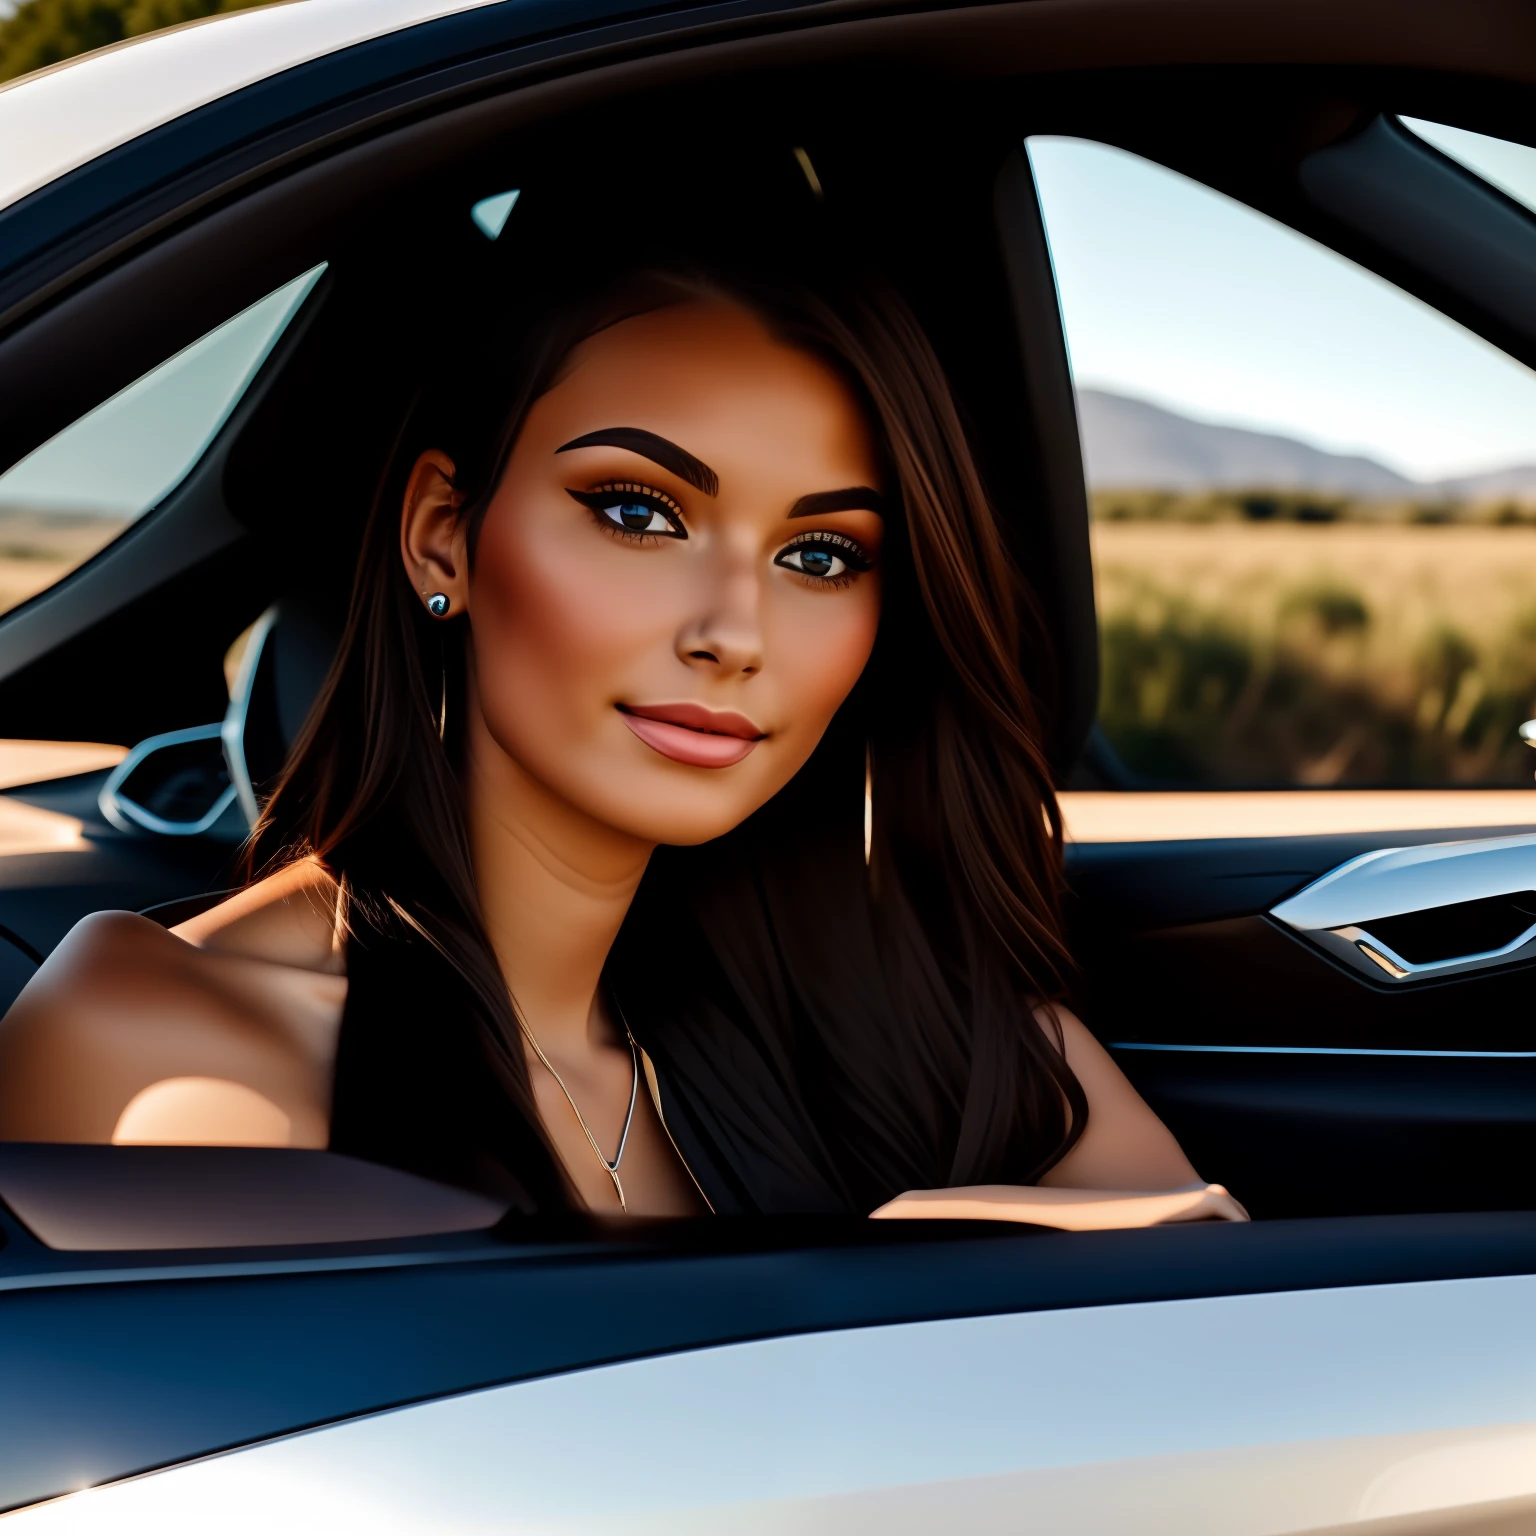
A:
{"x": 554, "y": 888}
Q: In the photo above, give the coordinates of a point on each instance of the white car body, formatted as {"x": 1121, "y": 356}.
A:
{"x": 60, "y": 118}
{"x": 1238, "y": 1416}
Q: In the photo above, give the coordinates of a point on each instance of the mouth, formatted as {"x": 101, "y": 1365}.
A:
{"x": 692, "y": 734}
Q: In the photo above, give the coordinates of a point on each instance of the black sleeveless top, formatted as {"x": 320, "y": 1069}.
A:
{"x": 416, "y": 1089}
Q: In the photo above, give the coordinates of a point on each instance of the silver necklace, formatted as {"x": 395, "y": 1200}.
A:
{"x": 611, "y": 1168}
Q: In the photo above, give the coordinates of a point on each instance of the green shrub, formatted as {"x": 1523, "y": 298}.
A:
{"x": 1203, "y": 695}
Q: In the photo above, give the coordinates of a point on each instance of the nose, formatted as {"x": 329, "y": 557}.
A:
{"x": 726, "y": 637}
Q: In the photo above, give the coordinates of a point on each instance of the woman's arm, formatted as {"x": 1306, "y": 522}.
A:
{"x": 1124, "y": 1145}
{"x": 1126, "y": 1169}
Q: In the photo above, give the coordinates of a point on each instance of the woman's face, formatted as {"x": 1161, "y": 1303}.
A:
{"x": 677, "y": 581}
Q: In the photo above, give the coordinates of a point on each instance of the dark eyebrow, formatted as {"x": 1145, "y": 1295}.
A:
{"x": 658, "y": 450}
{"x": 857, "y": 498}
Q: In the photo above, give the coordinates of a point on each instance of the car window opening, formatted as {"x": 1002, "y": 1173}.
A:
{"x": 78, "y": 491}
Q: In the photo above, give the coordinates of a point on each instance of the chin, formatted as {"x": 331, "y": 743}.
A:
{"x": 685, "y": 830}
{"x": 676, "y": 805}
{"x": 688, "y": 814}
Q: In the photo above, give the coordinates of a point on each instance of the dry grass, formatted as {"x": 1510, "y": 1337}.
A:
{"x": 1351, "y": 652}
{"x": 38, "y": 548}
{"x": 1478, "y": 579}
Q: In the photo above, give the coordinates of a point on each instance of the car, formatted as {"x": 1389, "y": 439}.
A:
{"x": 209, "y": 272}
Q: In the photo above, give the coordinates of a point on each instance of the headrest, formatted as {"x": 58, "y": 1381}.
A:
{"x": 281, "y": 674}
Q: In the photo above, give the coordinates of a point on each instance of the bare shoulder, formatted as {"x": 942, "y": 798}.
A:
{"x": 1075, "y": 1040}
{"x": 289, "y": 918}
{"x": 222, "y": 1031}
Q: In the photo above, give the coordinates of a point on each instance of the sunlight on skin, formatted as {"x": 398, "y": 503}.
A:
{"x": 201, "y": 1112}
{"x": 1071, "y": 1210}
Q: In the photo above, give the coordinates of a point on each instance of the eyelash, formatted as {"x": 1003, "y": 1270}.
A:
{"x": 631, "y": 493}
{"x": 849, "y": 551}
{"x": 598, "y": 500}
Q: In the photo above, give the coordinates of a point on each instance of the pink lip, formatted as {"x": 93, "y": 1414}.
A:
{"x": 692, "y": 734}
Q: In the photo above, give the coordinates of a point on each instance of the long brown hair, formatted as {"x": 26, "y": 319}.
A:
{"x": 859, "y": 1027}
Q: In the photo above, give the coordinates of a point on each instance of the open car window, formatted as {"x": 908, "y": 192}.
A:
{"x": 1313, "y": 496}
{"x": 78, "y": 491}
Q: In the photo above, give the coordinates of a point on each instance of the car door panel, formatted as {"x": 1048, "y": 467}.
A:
{"x": 1344, "y": 1132}
{"x": 1299, "y": 1082}
{"x": 117, "y": 1358}
{"x": 1259, "y": 1413}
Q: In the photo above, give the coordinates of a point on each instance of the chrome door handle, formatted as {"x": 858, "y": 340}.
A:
{"x": 1404, "y": 914}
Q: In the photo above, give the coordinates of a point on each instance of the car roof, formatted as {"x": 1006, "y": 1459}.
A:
{"x": 56, "y": 120}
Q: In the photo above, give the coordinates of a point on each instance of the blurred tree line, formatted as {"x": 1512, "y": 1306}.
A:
{"x": 43, "y": 32}
{"x": 1265, "y": 505}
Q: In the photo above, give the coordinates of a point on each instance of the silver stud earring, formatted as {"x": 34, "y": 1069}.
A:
{"x": 438, "y": 605}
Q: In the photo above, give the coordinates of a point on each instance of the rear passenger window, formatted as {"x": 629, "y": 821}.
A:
{"x": 73, "y": 495}
{"x": 1313, "y": 497}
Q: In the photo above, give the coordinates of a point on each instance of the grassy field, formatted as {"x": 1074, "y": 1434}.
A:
{"x": 1368, "y": 649}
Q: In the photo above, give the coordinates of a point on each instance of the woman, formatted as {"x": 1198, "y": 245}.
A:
{"x": 574, "y": 896}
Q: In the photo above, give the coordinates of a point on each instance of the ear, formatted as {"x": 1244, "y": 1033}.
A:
{"x": 433, "y": 536}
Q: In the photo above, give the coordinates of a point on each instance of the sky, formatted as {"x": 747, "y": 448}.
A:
{"x": 122, "y": 458}
{"x": 1179, "y": 295}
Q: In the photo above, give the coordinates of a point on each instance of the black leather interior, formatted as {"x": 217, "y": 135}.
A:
{"x": 1301, "y": 1084}
{"x": 289, "y": 674}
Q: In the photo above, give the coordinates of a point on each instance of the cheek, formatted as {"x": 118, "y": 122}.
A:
{"x": 555, "y": 623}
{"x": 818, "y": 650}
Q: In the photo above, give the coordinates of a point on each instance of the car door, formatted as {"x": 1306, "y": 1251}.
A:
{"x": 241, "y": 1338}
{"x": 231, "y": 1338}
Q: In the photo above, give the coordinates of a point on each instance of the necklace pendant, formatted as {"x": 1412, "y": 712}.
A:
{"x": 611, "y": 1168}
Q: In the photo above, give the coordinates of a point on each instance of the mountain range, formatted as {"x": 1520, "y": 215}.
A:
{"x": 1133, "y": 444}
